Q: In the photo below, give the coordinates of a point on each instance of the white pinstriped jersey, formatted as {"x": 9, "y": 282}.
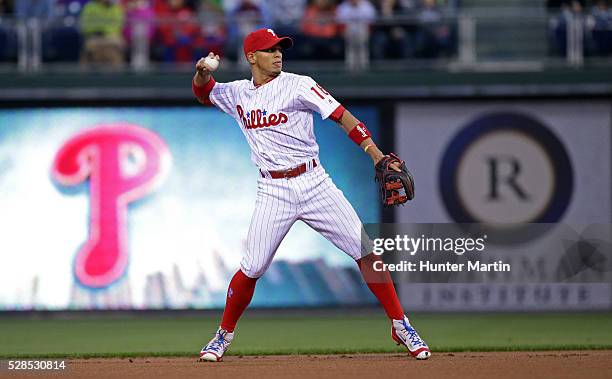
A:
{"x": 277, "y": 117}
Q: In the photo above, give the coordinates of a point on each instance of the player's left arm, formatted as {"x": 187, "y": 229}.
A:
{"x": 348, "y": 122}
{"x": 359, "y": 133}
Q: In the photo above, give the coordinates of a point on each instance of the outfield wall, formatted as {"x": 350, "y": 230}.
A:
{"x": 182, "y": 239}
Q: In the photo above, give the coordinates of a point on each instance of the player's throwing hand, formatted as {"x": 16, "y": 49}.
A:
{"x": 206, "y": 65}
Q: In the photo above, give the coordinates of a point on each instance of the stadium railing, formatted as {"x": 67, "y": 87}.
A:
{"x": 478, "y": 39}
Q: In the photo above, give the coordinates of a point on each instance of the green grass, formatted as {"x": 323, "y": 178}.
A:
{"x": 257, "y": 334}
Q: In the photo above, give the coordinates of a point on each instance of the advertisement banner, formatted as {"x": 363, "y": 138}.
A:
{"x": 509, "y": 165}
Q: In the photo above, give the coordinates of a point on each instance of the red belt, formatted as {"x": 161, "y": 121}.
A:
{"x": 290, "y": 173}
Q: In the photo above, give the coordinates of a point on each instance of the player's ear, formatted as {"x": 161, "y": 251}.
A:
{"x": 251, "y": 57}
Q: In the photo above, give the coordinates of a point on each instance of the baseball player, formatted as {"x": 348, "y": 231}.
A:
{"x": 275, "y": 110}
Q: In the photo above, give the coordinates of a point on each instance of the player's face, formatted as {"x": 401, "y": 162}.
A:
{"x": 270, "y": 60}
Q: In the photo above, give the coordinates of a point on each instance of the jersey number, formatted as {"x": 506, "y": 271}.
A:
{"x": 320, "y": 89}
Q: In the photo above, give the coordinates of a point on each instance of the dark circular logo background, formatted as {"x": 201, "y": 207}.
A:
{"x": 551, "y": 145}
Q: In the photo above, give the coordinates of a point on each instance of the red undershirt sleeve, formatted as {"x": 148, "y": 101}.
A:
{"x": 203, "y": 92}
{"x": 336, "y": 115}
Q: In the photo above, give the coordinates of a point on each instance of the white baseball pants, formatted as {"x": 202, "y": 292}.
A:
{"x": 311, "y": 197}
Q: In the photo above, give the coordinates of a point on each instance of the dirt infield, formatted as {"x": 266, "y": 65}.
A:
{"x": 566, "y": 364}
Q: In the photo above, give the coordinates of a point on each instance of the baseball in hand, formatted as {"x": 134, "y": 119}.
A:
{"x": 211, "y": 63}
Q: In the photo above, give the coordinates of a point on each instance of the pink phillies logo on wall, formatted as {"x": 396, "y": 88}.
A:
{"x": 105, "y": 154}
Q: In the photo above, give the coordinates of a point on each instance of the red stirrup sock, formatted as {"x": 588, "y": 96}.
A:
{"x": 239, "y": 295}
{"x": 381, "y": 285}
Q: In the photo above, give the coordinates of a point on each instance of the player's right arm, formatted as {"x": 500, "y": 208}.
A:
{"x": 209, "y": 92}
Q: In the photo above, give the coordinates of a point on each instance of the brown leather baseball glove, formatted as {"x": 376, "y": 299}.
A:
{"x": 395, "y": 187}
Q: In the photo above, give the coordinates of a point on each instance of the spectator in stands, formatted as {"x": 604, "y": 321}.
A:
{"x": 320, "y": 31}
{"x": 61, "y": 39}
{"x": 601, "y": 28}
{"x": 356, "y": 16}
{"x": 394, "y": 38}
{"x": 355, "y": 11}
{"x": 138, "y": 14}
{"x": 42, "y": 9}
{"x": 102, "y": 25}
{"x": 245, "y": 17}
{"x": 286, "y": 15}
{"x": 558, "y": 27}
{"x": 248, "y": 16}
{"x": 213, "y": 27}
{"x": 434, "y": 35}
{"x": 178, "y": 33}
{"x": 570, "y": 16}
{"x": 285, "y": 18}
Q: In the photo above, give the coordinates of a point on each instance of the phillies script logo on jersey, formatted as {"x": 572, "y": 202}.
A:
{"x": 123, "y": 163}
{"x": 260, "y": 119}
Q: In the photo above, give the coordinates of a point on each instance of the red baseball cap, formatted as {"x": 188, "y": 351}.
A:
{"x": 263, "y": 39}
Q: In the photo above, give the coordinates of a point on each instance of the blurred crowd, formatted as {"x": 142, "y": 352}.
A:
{"x": 590, "y": 22}
{"x": 183, "y": 30}
{"x": 106, "y": 31}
